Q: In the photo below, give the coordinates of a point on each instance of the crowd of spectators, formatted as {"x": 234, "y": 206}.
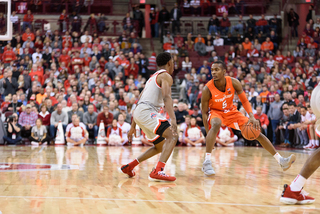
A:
{"x": 82, "y": 79}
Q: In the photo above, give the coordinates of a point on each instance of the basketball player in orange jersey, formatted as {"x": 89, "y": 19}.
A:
{"x": 294, "y": 194}
{"x": 217, "y": 108}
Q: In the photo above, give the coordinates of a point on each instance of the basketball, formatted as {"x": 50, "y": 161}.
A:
{"x": 249, "y": 132}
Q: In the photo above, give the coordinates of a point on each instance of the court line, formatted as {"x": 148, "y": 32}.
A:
{"x": 159, "y": 201}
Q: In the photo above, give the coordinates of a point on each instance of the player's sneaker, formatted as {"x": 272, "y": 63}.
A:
{"x": 207, "y": 168}
{"x": 127, "y": 169}
{"x": 298, "y": 197}
{"x": 286, "y": 163}
{"x": 160, "y": 176}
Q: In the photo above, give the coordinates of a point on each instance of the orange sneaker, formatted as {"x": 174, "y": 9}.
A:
{"x": 127, "y": 169}
{"x": 160, "y": 176}
{"x": 298, "y": 197}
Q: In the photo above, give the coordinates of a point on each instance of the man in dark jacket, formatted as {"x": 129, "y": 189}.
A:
{"x": 138, "y": 16}
{"x": 213, "y": 25}
{"x": 10, "y": 84}
{"x": 143, "y": 66}
{"x": 295, "y": 118}
{"x": 251, "y": 22}
{"x": 164, "y": 16}
{"x": 127, "y": 23}
{"x": 293, "y": 19}
{"x": 175, "y": 15}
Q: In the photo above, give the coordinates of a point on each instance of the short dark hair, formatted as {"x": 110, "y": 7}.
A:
{"x": 292, "y": 104}
{"x": 303, "y": 107}
{"x": 221, "y": 63}
{"x": 163, "y": 58}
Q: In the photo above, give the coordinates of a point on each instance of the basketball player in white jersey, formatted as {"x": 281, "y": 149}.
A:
{"x": 156, "y": 94}
{"x": 294, "y": 194}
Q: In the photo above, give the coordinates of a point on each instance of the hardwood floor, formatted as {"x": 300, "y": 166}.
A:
{"x": 86, "y": 180}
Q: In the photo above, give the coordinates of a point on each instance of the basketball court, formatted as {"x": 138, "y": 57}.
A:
{"x": 86, "y": 180}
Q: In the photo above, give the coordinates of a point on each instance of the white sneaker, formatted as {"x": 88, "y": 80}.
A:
{"x": 34, "y": 143}
{"x": 70, "y": 144}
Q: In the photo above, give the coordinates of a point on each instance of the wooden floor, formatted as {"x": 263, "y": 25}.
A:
{"x": 87, "y": 181}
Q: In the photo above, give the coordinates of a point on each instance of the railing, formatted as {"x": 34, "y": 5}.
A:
{"x": 55, "y": 7}
{"x": 249, "y": 7}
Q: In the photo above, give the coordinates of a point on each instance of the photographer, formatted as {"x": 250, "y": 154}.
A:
{"x": 13, "y": 130}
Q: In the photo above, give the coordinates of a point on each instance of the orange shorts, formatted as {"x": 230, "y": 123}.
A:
{"x": 233, "y": 119}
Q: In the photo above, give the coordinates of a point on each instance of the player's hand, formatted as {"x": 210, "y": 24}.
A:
{"x": 254, "y": 122}
{"x": 174, "y": 127}
{"x": 130, "y": 134}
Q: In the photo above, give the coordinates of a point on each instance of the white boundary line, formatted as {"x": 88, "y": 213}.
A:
{"x": 159, "y": 201}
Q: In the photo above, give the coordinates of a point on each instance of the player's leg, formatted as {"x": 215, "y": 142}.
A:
{"x": 293, "y": 194}
{"x": 236, "y": 120}
{"x": 215, "y": 124}
{"x": 156, "y": 149}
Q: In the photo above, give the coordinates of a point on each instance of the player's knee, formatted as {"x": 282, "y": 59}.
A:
{"x": 215, "y": 124}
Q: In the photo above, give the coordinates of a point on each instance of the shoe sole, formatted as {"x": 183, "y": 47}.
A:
{"x": 292, "y": 160}
{"x": 158, "y": 180}
{"x": 120, "y": 170}
{"x": 292, "y": 201}
{"x": 207, "y": 174}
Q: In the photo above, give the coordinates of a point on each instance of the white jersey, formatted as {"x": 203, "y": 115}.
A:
{"x": 125, "y": 127}
{"x": 152, "y": 93}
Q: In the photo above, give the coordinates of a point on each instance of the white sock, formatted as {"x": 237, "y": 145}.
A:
{"x": 298, "y": 183}
{"x": 312, "y": 142}
{"x": 208, "y": 156}
{"x": 277, "y": 156}
{"x": 317, "y": 142}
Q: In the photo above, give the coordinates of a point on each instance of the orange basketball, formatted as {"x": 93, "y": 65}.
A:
{"x": 249, "y": 132}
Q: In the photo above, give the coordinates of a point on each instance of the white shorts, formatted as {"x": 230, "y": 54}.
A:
{"x": 151, "y": 122}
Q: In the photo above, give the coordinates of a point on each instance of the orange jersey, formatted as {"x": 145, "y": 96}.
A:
{"x": 221, "y": 101}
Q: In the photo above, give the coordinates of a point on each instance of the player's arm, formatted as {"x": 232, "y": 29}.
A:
{"x": 206, "y": 96}
{"x": 166, "y": 82}
{"x": 245, "y": 102}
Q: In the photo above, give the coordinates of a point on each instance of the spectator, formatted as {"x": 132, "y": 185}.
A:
{"x": 193, "y": 134}
{"x": 224, "y": 24}
{"x": 138, "y": 16}
{"x": 143, "y": 66}
{"x": 56, "y": 117}
{"x": 180, "y": 113}
{"x": 39, "y": 134}
{"x": 77, "y": 135}
{"x": 310, "y": 51}
{"x": 125, "y": 127}
{"x": 218, "y": 41}
{"x": 114, "y": 134}
{"x": 175, "y": 18}
{"x": 45, "y": 116}
{"x": 309, "y": 15}
{"x": 92, "y": 22}
{"x": 267, "y": 46}
{"x": 225, "y": 136}
{"x": 10, "y": 84}
{"x": 275, "y": 23}
{"x": 297, "y": 52}
{"x": 75, "y": 110}
{"x": 302, "y": 127}
{"x": 293, "y": 19}
{"x": 101, "y": 22}
{"x": 27, "y": 21}
{"x": 195, "y": 7}
{"x": 308, "y": 30}
{"x": 292, "y": 124}
{"x": 263, "y": 118}
{"x": 251, "y": 22}
{"x": 15, "y": 106}
{"x": 262, "y": 25}
{"x": 200, "y": 48}
{"x": 186, "y": 65}
{"x": 15, "y": 21}
{"x": 106, "y": 117}
{"x": 246, "y": 44}
{"x": 75, "y": 20}
{"x": 164, "y": 16}
{"x": 275, "y": 114}
{"x": 213, "y": 25}
{"x": 8, "y": 56}
{"x": 239, "y": 26}
{"x": 13, "y": 130}
{"x": 316, "y": 24}
{"x": 90, "y": 120}
{"x": 152, "y": 64}
{"x": 27, "y": 119}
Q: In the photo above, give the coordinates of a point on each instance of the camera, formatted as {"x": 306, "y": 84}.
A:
{"x": 11, "y": 119}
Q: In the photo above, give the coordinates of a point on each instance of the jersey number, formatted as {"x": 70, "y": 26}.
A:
{"x": 224, "y": 104}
